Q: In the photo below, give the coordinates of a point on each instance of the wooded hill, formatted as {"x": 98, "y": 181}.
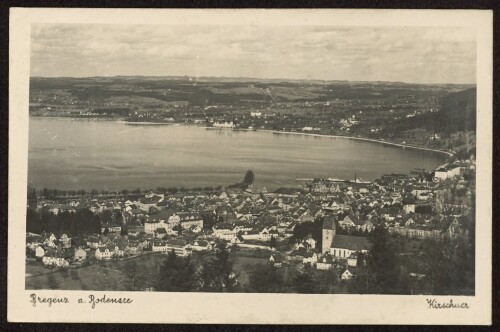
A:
{"x": 457, "y": 113}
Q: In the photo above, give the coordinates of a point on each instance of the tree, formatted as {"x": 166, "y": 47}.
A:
{"x": 304, "y": 282}
{"x": 74, "y": 274}
{"x": 37, "y": 283}
{"x": 383, "y": 268}
{"x": 124, "y": 230}
{"x": 217, "y": 274}
{"x": 52, "y": 281}
{"x": 209, "y": 219}
{"x": 265, "y": 278}
{"x": 65, "y": 273}
{"x": 249, "y": 177}
{"x": 301, "y": 230}
{"x": 178, "y": 229}
{"x": 272, "y": 243}
{"x": 106, "y": 231}
{"x": 327, "y": 281}
{"x": 177, "y": 274}
{"x": 132, "y": 270}
{"x": 33, "y": 222}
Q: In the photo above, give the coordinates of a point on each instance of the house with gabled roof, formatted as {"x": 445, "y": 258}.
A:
{"x": 310, "y": 257}
{"x": 160, "y": 233}
{"x": 80, "y": 255}
{"x": 55, "y": 257}
{"x": 134, "y": 247}
{"x": 201, "y": 245}
{"x": 180, "y": 246}
{"x": 190, "y": 219}
{"x": 348, "y": 221}
{"x": 105, "y": 252}
{"x": 65, "y": 241}
{"x": 48, "y": 239}
{"x": 275, "y": 260}
{"x": 325, "y": 262}
{"x": 237, "y": 238}
{"x": 346, "y": 275}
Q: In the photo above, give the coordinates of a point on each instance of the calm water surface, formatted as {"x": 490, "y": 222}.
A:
{"x": 87, "y": 154}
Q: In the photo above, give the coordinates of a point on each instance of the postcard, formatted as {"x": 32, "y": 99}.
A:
{"x": 250, "y": 166}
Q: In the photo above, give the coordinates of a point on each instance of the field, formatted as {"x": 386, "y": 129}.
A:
{"x": 109, "y": 275}
{"x": 243, "y": 264}
{"x": 140, "y": 272}
{"x": 92, "y": 277}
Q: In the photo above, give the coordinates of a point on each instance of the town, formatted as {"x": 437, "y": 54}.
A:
{"x": 402, "y": 234}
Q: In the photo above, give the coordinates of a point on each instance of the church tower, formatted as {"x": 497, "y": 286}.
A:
{"x": 328, "y": 233}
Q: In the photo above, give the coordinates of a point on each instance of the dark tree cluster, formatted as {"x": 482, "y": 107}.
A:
{"x": 435, "y": 267}
{"x": 266, "y": 278}
{"x": 214, "y": 274}
{"x": 303, "y": 229}
{"x": 79, "y": 223}
{"x": 177, "y": 274}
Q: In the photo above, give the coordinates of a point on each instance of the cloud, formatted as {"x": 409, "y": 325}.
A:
{"x": 412, "y": 54}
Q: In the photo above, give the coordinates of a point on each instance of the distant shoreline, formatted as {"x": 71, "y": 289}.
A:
{"x": 148, "y": 123}
{"x": 449, "y": 153}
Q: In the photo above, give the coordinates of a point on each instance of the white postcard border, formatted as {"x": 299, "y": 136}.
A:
{"x": 245, "y": 308}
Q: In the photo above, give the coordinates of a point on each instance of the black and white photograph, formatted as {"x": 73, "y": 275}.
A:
{"x": 246, "y": 157}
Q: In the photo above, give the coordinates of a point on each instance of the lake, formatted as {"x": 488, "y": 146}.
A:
{"x": 88, "y": 154}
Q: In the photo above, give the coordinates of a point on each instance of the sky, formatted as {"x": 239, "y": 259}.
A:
{"x": 409, "y": 54}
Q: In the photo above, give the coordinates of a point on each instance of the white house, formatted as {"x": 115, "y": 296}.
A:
{"x": 310, "y": 258}
{"x": 104, "y": 252}
{"x": 346, "y": 275}
{"x": 39, "y": 252}
{"x": 224, "y": 124}
{"x": 80, "y": 255}
{"x": 159, "y": 245}
{"x": 201, "y": 245}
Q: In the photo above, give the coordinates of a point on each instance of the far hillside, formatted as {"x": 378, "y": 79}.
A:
{"x": 452, "y": 126}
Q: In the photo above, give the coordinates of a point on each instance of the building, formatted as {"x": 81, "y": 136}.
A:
{"x": 417, "y": 232}
{"x": 55, "y": 257}
{"x": 111, "y": 227}
{"x": 159, "y": 245}
{"x": 39, "y": 252}
{"x": 201, "y": 245}
{"x": 225, "y": 124}
{"x": 179, "y": 246}
{"x": 80, "y": 255}
{"x": 65, "y": 241}
{"x": 189, "y": 220}
{"x": 343, "y": 246}
{"x": 163, "y": 219}
{"x": 104, "y": 252}
{"x": 325, "y": 262}
{"x": 329, "y": 230}
{"x": 447, "y": 172}
{"x": 346, "y": 275}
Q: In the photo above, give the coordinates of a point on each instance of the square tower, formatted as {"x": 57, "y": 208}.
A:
{"x": 328, "y": 232}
